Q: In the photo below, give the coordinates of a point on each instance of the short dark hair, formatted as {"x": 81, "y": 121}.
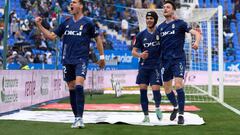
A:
{"x": 81, "y": 1}
{"x": 170, "y": 2}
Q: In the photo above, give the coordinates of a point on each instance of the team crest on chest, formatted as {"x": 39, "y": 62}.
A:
{"x": 67, "y": 26}
{"x": 173, "y": 26}
{"x": 81, "y": 27}
{"x": 157, "y": 37}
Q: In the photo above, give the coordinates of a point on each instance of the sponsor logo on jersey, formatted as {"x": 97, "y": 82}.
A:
{"x": 167, "y": 33}
{"x": 72, "y": 33}
{"x": 155, "y": 43}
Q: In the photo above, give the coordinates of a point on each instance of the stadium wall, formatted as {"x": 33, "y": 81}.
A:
{"x": 19, "y": 89}
{"x": 128, "y": 78}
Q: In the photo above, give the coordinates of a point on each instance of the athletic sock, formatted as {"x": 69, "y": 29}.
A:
{"x": 79, "y": 100}
{"x": 73, "y": 101}
{"x": 157, "y": 97}
{"x": 181, "y": 100}
{"x": 172, "y": 99}
{"x": 144, "y": 101}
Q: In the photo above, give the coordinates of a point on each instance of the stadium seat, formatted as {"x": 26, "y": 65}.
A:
{"x": 208, "y": 3}
{"x": 238, "y": 17}
{"x": 200, "y": 3}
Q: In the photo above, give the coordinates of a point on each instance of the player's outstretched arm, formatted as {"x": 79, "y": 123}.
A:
{"x": 197, "y": 37}
{"x": 48, "y": 34}
{"x": 99, "y": 42}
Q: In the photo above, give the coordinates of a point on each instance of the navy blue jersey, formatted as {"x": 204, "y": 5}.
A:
{"x": 172, "y": 38}
{"x": 76, "y": 39}
{"x": 149, "y": 41}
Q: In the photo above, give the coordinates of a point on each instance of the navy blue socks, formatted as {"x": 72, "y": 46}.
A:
{"x": 157, "y": 97}
{"x": 144, "y": 101}
{"x": 79, "y": 100}
{"x": 181, "y": 100}
{"x": 73, "y": 101}
{"x": 172, "y": 99}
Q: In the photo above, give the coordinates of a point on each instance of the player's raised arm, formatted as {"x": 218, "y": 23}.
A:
{"x": 197, "y": 37}
{"x": 101, "y": 62}
{"x": 48, "y": 34}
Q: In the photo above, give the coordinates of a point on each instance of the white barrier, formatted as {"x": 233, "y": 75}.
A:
{"x": 20, "y": 89}
{"x": 102, "y": 79}
{"x": 201, "y": 78}
{"x": 128, "y": 78}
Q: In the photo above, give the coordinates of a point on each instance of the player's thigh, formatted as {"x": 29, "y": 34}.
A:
{"x": 69, "y": 73}
{"x": 81, "y": 72}
{"x": 143, "y": 77}
{"x": 167, "y": 86}
{"x": 155, "y": 78}
{"x": 178, "y": 83}
{"x": 166, "y": 72}
{"x": 178, "y": 68}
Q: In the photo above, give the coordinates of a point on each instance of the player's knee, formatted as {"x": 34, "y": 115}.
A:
{"x": 71, "y": 85}
{"x": 178, "y": 85}
{"x": 79, "y": 80}
{"x": 143, "y": 86}
{"x": 167, "y": 89}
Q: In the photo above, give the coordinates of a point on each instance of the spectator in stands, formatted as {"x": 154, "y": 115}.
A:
{"x": 226, "y": 25}
{"x": 14, "y": 26}
{"x": 29, "y": 57}
{"x": 107, "y": 44}
{"x": 12, "y": 16}
{"x": 1, "y": 63}
{"x": 120, "y": 5}
{"x": 44, "y": 58}
{"x": 37, "y": 58}
{"x": 236, "y": 7}
{"x": 124, "y": 26}
{"x": 159, "y": 3}
{"x": 49, "y": 58}
{"x": 22, "y": 61}
{"x": 24, "y": 26}
{"x": 109, "y": 11}
{"x": 18, "y": 37}
{"x": 43, "y": 43}
{"x": 231, "y": 51}
{"x": 1, "y": 31}
{"x": 138, "y": 4}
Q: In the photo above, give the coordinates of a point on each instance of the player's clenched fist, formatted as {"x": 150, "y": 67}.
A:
{"x": 144, "y": 55}
{"x": 101, "y": 63}
{"x": 38, "y": 20}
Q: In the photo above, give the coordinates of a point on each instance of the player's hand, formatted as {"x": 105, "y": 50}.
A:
{"x": 101, "y": 64}
{"x": 144, "y": 55}
{"x": 195, "y": 46}
{"x": 38, "y": 20}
